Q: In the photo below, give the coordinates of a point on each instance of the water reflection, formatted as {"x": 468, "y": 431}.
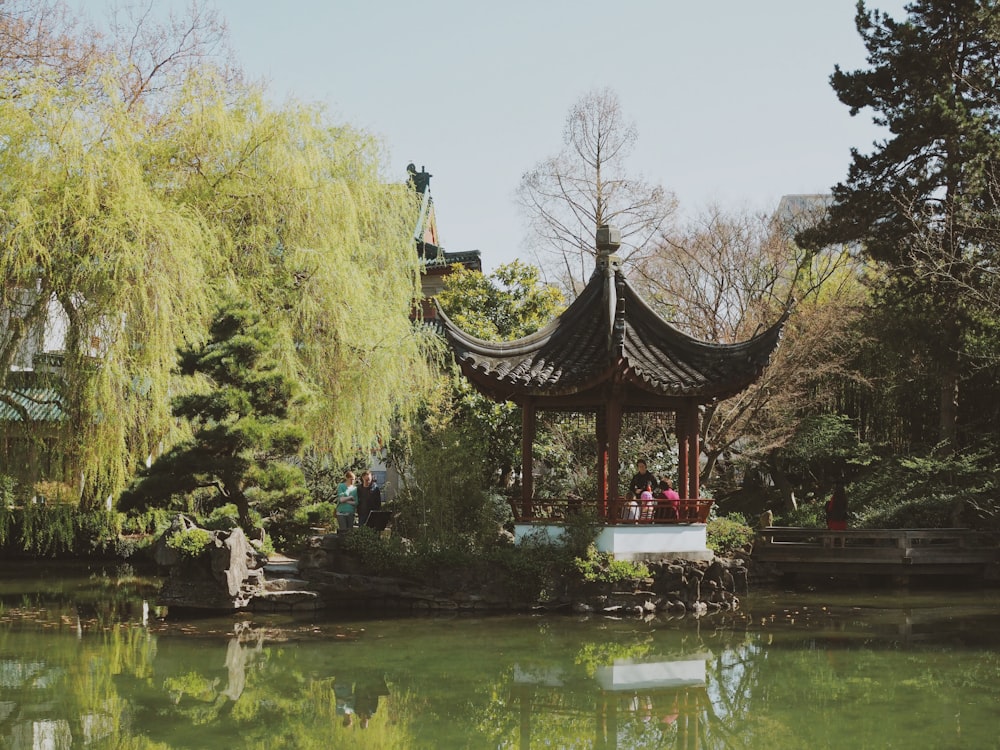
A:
{"x": 777, "y": 675}
{"x": 629, "y": 703}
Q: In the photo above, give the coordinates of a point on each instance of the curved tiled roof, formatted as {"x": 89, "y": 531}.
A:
{"x": 609, "y": 335}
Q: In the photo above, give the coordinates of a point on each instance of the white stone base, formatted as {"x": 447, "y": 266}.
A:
{"x": 640, "y": 543}
{"x": 628, "y": 675}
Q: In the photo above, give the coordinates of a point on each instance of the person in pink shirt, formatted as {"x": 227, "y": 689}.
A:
{"x": 667, "y": 492}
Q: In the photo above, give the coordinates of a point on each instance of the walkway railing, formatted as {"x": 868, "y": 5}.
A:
{"x": 916, "y": 550}
{"x": 621, "y": 512}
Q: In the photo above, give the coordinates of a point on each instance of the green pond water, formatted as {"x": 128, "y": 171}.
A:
{"x": 88, "y": 661}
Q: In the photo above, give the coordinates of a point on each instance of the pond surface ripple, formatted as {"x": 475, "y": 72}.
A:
{"x": 86, "y": 660}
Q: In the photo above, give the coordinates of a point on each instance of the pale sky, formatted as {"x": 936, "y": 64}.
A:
{"x": 731, "y": 98}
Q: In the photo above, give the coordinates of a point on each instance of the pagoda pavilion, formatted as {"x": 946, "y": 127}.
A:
{"x": 610, "y": 354}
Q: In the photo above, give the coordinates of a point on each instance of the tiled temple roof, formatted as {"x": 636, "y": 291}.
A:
{"x": 608, "y": 335}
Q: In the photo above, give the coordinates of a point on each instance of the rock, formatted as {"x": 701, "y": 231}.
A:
{"x": 225, "y": 577}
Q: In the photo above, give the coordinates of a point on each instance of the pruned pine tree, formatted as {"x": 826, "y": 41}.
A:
{"x": 241, "y": 431}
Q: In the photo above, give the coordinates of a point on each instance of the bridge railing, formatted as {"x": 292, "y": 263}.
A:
{"x": 907, "y": 546}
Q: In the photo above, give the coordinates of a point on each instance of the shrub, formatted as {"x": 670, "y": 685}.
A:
{"x": 47, "y": 529}
{"x": 602, "y": 567}
{"x": 930, "y": 492}
{"x": 807, "y": 515}
{"x": 379, "y": 554}
{"x": 190, "y": 542}
{"x": 727, "y": 534}
{"x": 152, "y": 522}
{"x": 224, "y": 518}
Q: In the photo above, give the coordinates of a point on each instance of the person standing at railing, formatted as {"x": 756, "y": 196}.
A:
{"x": 836, "y": 509}
{"x": 347, "y": 502}
{"x": 643, "y": 480}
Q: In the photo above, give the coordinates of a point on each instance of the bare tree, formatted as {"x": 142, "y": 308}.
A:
{"x": 42, "y": 36}
{"x": 154, "y": 53}
{"x": 728, "y": 276}
{"x": 568, "y": 196}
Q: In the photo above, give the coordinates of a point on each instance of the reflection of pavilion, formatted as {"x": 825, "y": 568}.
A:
{"x": 663, "y": 700}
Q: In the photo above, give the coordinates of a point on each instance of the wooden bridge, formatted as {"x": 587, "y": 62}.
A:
{"x": 896, "y": 553}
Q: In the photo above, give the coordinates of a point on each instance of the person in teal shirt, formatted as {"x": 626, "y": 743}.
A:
{"x": 347, "y": 502}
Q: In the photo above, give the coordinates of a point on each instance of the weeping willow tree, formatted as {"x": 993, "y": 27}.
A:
{"x": 135, "y": 215}
{"x": 307, "y": 228}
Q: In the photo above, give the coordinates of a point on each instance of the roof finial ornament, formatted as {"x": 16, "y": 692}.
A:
{"x": 608, "y": 240}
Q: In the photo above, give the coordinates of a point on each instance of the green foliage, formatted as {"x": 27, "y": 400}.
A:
{"x": 444, "y": 501}
{"x": 322, "y": 475}
{"x": 8, "y": 494}
{"x": 190, "y": 542}
{"x": 823, "y": 448}
{"x": 579, "y": 532}
{"x": 224, "y": 518}
{"x": 726, "y": 534}
{"x": 510, "y": 303}
{"x": 58, "y": 529}
{"x": 932, "y": 491}
{"x": 807, "y": 515}
{"x": 47, "y": 529}
{"x": 150, "y": 522}
{"x": 380, "y": 554}
{"x": 241, "y": 430}
{"x": 604, "y": 568}
{"x": 290, "y": 531}
{"x": 108, "y": 192}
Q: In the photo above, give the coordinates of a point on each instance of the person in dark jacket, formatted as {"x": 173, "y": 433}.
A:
{"x": 369, "y": 497}
{"x": 643, "y": 480}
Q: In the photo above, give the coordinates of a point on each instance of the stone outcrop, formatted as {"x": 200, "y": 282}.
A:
{"x": 225, "y": 577}
{"x": 674, "y": 586}
{"x": 230, "y": 575}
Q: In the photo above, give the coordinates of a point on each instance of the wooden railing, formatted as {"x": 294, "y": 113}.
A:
{"x": 915, "y": 549}
{"x": 620, "y": 512}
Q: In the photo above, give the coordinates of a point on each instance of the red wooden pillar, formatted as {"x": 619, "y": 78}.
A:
{"x": 687, "y": 429}
{"x": 681, "y": 433}
{"x": 614, "y": 428}
{"x": 602, "y": 463}
{"x": 527, "y": 465}
{"x": 694, "y": 453}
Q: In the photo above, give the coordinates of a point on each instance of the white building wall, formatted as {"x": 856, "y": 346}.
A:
{"x": 639, "y": 543}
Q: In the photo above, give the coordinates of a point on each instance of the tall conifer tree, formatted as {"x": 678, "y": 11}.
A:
{"x": 924, "y": 201}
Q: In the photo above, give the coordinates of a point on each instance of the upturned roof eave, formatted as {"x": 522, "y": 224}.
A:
{"x": 610, "y": 311}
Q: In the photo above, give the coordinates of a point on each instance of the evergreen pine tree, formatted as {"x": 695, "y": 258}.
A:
{"x": 925, "y": 201}
{"x": 241, "y": 430}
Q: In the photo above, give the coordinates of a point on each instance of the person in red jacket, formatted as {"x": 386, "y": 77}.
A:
{"x": 836, "y": 509}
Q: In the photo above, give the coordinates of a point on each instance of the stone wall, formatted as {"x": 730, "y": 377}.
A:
{"x": 673, "y": 586}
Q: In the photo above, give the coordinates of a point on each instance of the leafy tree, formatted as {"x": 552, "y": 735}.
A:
{"x": 725, "y": 277}
{"x": 924, "y": 201}
{"x": 143, "y": 187}
{"x": 241, "y": 430}
{"x": 510, "y": 303}
{"x": 568, "y": 196}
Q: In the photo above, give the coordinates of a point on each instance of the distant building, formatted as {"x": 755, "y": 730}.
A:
{"x": 435, "y": 262}
{"x": 798, "y": 212}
